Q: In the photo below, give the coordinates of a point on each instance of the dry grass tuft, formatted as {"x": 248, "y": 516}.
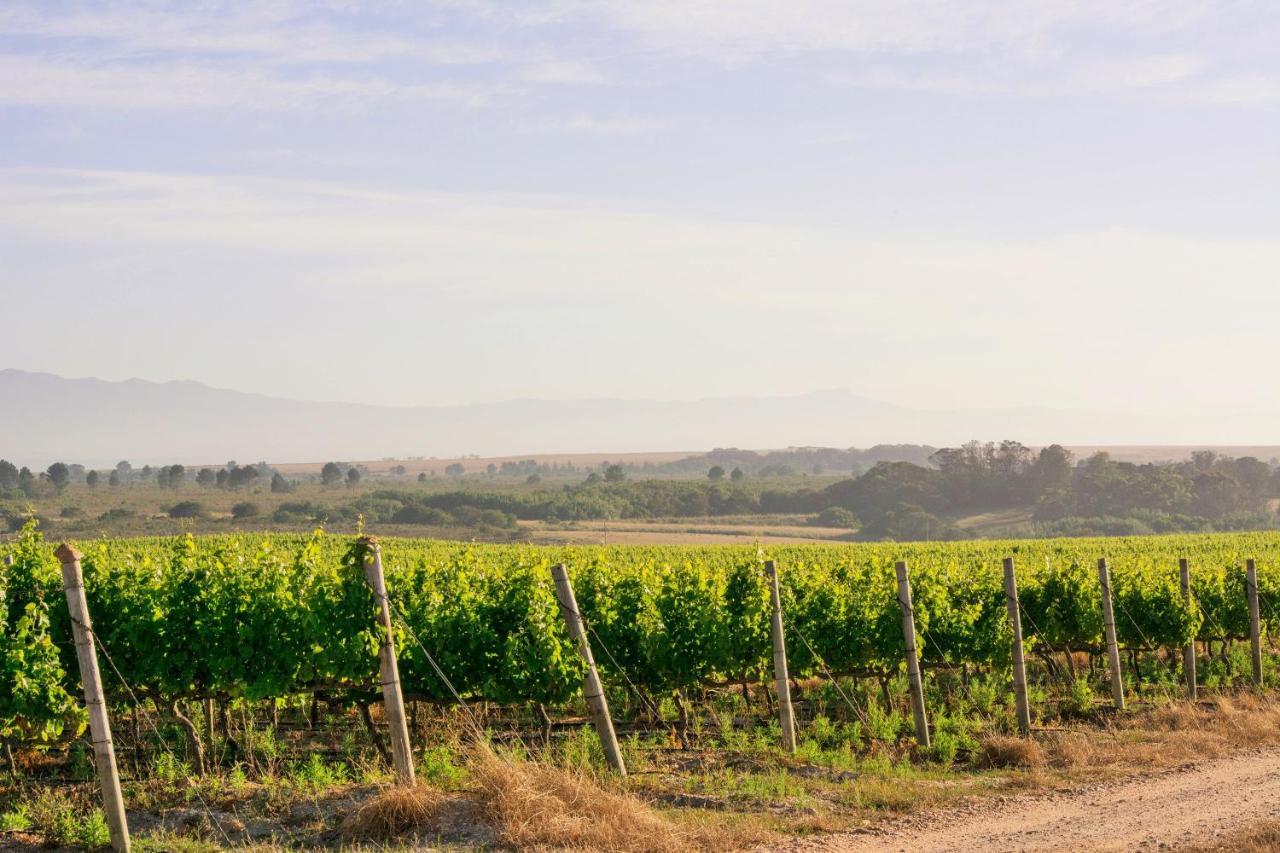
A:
{"x": 533, "y": 805}
{"x": 392, "y": 812}
{"x": 1005, "y": 751}
{"x": 1170, "y": 734}
{"x": 1073, "y": 749}
{"x": 1262, "y": 838}
{"x": 1176, "y": 717}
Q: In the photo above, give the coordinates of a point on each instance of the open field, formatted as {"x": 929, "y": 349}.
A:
{"x": 1140, "y": 454}
{"x": 479, "y": 464}
{"x": 1155, "y": 453}
{"x": 719, "y": 530}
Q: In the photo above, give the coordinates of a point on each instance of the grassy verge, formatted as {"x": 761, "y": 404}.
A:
{"x": 728, "y": 792}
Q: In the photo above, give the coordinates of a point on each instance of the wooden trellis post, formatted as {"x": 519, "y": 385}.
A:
{"x": 388, "y": 667}
{"x": 1255, "y": 620}
{"x": 1019, "y": 663}
{"x": 1109, "y": 630}
{"x": 592, "y": 690}
{"x": 94, "y": 700}
{"x": 913, "y": 660}
{"x": 786, "y": 715}
{"x": 1189, "y": 650}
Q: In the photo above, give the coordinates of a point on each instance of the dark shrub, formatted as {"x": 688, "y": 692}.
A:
{"x": 414, "y": 514}
{"x": 186, "y": 509}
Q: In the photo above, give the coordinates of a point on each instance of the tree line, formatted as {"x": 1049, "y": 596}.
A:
{"x": 904, "y": 500}
{"x": 1055, "y": 493}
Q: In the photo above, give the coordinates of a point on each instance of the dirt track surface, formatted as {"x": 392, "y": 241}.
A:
{"x": 1166, "y": 810}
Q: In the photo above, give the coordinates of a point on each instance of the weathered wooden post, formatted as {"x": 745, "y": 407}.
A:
{"x": 96, "y": 704}
{"x": 1019, "y": 663}
{"x": 1109, "y": 630}
{"x": 388, "y": 668}
{"x": 786, "y": 715}
{"x": 1189, "y": 650}
{"x": 1255, "y": 620}
{"x": 592, "y": 690}
{"x": 913, "y": 661}
{"x": 209, "y": 731}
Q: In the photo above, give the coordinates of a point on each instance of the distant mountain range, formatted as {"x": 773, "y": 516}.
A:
{"x": 46, "y": 418}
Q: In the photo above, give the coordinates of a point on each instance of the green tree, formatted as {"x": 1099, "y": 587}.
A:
{"x": 279, "y": 485}
{"x": 736, "y": 475}
{"x": 27, "y": 481}
{"x": 330, "y": 473}
{"x": 353, "y": 476}
{"x": 59, "y": 475}
{"x": 614, "y": 474}
{"x": 91, "y": 479}
{"x": 205, "y": 477}
{"x": 716, "y": 473}
{"x": 8, "y": 474}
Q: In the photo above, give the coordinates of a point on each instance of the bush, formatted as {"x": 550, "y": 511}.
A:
{"x": 415, "y": 514}
{"x": 117, "y": 514}
{"x": 374, "y": 508}
{"x": 299, "y": 512}
{"x": 467, "y": 516}
{"x": 836, "y": 516}
{"x": 186, "y": 509}
{"x": 244, "y": 509}
{"x": 496, "y": 518}
{"x": 15, "y": 521}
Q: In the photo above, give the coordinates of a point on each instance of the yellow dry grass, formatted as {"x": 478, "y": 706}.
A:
{"x": 1262, "y": 838}
{"x": 1171, "y": 734}
{"x": 392, "y": 812}
{"x": 1005, "y": 751}
{"x": 538, "y": 806}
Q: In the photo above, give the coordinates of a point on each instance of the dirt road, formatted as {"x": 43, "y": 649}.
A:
{"x": 1190, "y": 804}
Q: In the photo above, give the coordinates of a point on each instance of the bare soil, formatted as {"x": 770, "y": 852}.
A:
{"x": 1188, "y": 806}
{"x": 684, "y": 532}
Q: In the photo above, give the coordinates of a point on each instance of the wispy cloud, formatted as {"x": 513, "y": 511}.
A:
{"x": 43, "y": 81}
{"x": 278, "y": 33}
{"x": 491, "y": 247}
{"x": 278, "y": 55}
{"x": 458, "y": 291}
{"x": 593, "y": 124}
{"x": 289, "y": 53}
{"x": 1121, "y": 77}
{"x": 752, "y": 29}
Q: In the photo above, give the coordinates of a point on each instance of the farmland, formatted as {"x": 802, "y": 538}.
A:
{"x": 256, "y": 655}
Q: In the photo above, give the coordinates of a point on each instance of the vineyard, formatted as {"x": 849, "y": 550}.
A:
{"x": 267, "y": 624}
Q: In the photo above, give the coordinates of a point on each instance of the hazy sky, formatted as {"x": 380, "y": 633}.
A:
{"x": 1061, "y": 202}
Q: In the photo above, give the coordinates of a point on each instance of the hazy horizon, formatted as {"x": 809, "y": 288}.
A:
{"x": 95, "y": 422}
{"x": 958, "y": 206}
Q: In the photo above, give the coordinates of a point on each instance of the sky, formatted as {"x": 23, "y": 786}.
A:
{"x": 1064, "y": 203}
